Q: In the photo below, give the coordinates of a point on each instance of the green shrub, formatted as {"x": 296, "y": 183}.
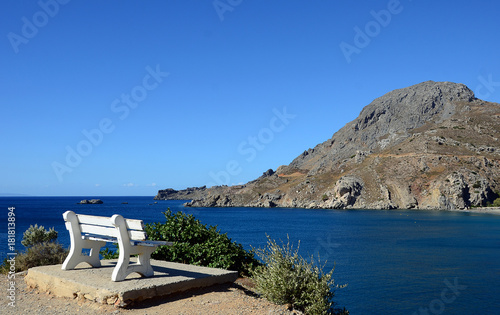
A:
{"x": 42, "y": 254}
{"x": 41, "y": 250}
{"x": 195, "y": 243}
{"x": 287, "y": 278}
{"x": 37, "y": 235}
{"x": 108, "y": 253}
{"x": 496, "y": 203}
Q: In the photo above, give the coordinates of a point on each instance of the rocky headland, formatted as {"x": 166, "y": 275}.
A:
{"x": 433, "y": 145}
{"x": 189, "y": 193}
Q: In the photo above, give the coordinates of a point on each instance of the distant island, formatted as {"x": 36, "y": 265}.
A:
{"x": 433, "y": 145}
{"x": 91, "y": 201}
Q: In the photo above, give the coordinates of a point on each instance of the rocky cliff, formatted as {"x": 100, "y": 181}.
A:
{"x": 429, "y": 146}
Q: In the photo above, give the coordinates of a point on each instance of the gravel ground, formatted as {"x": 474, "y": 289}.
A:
{"x": 233, "y": 298}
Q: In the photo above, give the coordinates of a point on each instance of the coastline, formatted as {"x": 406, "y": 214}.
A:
{"x": 488, "y": 210}
{"x": 483, "y": 210}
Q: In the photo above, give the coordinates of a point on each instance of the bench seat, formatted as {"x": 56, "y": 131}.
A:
{"x": 94, "y": 237}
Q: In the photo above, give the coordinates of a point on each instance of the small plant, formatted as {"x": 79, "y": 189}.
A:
{"x": 287, "y": 278}
{"x": 41, "y": 254}
{"x": 324, "y": 197}
{"x": 108, "y": 253}
{"x": 37, "y": 235}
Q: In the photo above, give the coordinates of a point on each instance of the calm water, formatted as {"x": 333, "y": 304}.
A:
{"x": 394, "y": 262}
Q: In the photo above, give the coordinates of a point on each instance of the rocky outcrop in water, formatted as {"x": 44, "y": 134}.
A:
{"x": 91, "y": 201}
{"x": 429, "y": 146}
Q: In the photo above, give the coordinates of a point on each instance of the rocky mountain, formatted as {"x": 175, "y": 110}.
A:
{"x": 433, "y": 145}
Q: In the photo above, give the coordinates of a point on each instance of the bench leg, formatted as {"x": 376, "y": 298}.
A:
{"x": 142, "y": 267}
{"x": 75, "y": 254}
{"x": 144, "y": 260}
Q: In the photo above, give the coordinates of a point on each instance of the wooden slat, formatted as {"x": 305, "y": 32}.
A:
{"x": 133, "y": 243}
{"x": 132, "y": 224}
{"x": 111, "y": 231}
{"x": 137, "y": 235}
{"x": 94, "y": 220}
{"x": 99, "y": 230}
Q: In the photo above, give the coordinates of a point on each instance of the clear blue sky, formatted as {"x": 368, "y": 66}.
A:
{"x": 128, "y": 97}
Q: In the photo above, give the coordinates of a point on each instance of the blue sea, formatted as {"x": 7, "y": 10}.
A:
{"x": 393, "y": 262}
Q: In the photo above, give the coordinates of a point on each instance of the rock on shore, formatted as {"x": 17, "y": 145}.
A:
{"x": 433, "y": 145}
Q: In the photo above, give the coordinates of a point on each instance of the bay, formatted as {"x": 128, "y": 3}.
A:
{"x": 393, "y": 262}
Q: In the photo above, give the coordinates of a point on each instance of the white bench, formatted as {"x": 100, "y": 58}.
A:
{"x": 92, "y": 232}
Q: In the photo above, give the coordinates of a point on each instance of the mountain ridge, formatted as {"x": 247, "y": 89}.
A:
{"x": 432, "y": 145}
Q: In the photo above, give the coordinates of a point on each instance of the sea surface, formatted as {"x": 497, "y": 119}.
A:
{"x": 393, "y": 262}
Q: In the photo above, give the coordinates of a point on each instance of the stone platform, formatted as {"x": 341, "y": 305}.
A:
{"x": 95, "y": 283}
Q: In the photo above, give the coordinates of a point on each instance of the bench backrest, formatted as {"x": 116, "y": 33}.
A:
{"x": 104, "y": 226}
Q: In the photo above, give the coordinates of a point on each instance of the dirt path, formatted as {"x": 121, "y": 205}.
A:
{"x": 235, "y": 298}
